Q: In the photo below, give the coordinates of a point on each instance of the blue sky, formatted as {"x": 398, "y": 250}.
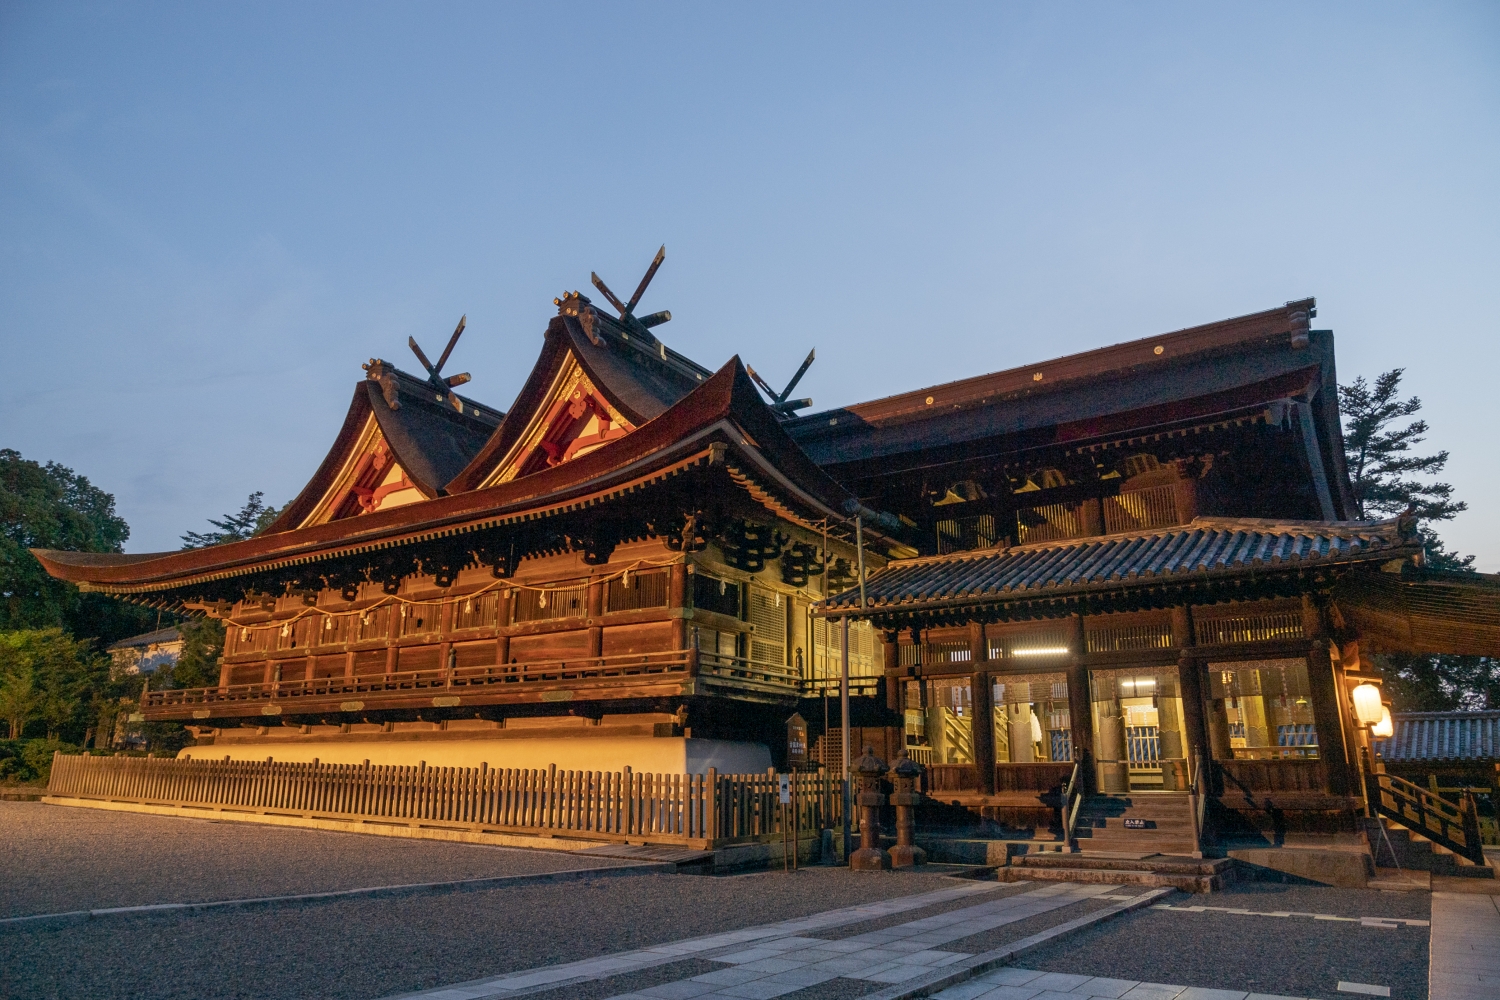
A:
{"x": 211, "y": 214}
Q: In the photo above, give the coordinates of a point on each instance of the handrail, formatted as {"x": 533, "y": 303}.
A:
{"x": 1198, "y": 801}
{"x": 1070, "y": 806}
{"x": 1456, "y": 827}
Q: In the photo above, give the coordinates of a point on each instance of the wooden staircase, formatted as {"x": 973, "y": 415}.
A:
{"x": 1140, "y": 823}
{"x": 1395, "y": 846}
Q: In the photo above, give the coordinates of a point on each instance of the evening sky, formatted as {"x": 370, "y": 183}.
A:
{"x": 211, "y": 214}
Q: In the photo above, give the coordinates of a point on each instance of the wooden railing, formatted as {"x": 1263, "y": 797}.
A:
{"x": 474, "y": 679}
{"x": 1456, "y": 827}
{"x": 700, "y": 810}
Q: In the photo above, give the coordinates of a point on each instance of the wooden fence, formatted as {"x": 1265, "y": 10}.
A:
{"x": 697, "y": 810}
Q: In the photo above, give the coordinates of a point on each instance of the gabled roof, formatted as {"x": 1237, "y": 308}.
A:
{"x": 1422, "y": 737}
{"x": 427, "y": 436}
{"x": 146, "y": 639}
{"x": 1215, "y": 370}
{"x": 640, "y": 380}
{"x": 1203, "y": 551}
{"x": 723, "y": 423}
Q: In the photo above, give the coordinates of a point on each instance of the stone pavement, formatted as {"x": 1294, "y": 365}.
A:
{"x": 889, "y": 955}
{"x": 1028, "y": 984}
{"x": 1465, "y": 949}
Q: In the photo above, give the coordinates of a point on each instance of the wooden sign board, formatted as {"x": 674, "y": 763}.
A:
{"x": 796, "y": 741}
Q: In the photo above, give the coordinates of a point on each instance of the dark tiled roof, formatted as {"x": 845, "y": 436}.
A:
{"x": 1442, "y": 736}
{"x": 1205, "y": 549}
{"x": 147, "y": 639}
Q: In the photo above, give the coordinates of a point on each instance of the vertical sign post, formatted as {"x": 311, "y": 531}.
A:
{"x": 796, "y": 760}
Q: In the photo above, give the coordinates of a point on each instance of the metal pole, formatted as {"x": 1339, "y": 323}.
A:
{"x": 844, "y": 706}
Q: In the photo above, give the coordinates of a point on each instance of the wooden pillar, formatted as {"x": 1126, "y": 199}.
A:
{"x": 349, "y": 665}
{"x": 392, "y": 633}
{"x": 502, "y": 622}
{"x": 310, "y": 669}
{"x": 1190, "y": 681}
{"x": 595, "y": 607}
{"x": 1185, "y": 494}
{"x": 984, "y": 713}
{"x": 677, "y": 602}
{"x": 1327, "y": 696}
{"x": 224, "y": 674}
{"x": 1092, "y": 516}
{"x": 895, "y": 676}
{"x": 1079, "y": 708}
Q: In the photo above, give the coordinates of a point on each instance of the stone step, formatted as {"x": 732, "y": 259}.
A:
{"x": 1116, "y": 876}
{"x": 1168, "y": 863}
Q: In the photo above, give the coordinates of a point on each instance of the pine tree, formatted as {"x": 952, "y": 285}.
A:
{"x": 252, "y": 519}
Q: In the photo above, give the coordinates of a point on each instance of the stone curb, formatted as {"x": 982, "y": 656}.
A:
{"x": 376, "y": 892}
{"x": 958, "y": 972}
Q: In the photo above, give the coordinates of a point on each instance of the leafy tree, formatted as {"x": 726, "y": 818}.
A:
{"x": 252, "y": 519}
{"x": 52, "y": 507}
{"x": 47, "y": 675}
{"x": 19, "y": 697}
{"x": 1380, "y": 459}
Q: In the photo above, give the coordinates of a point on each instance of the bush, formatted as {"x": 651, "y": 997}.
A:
{"x": 29, "y": 761}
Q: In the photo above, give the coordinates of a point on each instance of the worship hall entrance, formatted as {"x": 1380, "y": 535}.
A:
{"x": 1138, "y": 730}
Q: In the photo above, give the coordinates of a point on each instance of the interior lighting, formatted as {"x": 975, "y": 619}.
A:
{"x": 1385, "y": 728}
{"x": 1041, "y": 651}
{"x": 1367, "y": 706}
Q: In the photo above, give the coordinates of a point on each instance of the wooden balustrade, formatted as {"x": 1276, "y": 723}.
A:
{"x": 701, "y": 810}
{"x": 736, "y": 670}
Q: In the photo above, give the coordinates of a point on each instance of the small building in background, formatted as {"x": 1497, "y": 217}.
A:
{"x": 143, "y": 654}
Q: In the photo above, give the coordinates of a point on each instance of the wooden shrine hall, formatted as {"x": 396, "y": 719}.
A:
{"x": 1112, "y": 572}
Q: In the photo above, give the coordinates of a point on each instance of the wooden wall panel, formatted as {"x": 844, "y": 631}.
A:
{"x": 330, "y": 666}
{"x": 550, "y": 646}
{"x": 247, "y": 673}
{"x": 648, "y": 637}
{"x": 369, "y": 661}
{"x": 474, "y": 654}
{"x": 418, "y": 658}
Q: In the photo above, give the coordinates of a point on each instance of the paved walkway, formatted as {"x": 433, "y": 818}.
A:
{"x": 1028, "y": 984}
{"x": 1465, "y": 947}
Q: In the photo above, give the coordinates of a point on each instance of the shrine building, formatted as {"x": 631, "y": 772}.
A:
{"x": 1141, "y": 560}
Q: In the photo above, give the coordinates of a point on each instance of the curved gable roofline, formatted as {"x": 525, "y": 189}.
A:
{"x": 725, "y": 408}
{"x": 637, "y": 389}
{"x": 427, "y": 438}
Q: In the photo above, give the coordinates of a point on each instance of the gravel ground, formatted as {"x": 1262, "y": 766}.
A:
{"x": 60, "y": 858}
{"x": 375, "y": 948}
{"x": 1291, "y": 956}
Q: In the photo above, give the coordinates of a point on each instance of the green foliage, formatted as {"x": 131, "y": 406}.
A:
{"x": 52, "y": 507}
{"x": 1379, "y": 457}
{"x": 252, "y": 519}
{"x": 29, "y": 760}
{"x": 50, "y": 679}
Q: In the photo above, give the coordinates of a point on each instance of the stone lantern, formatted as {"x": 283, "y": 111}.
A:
{"x": 906, "y": 798}
{"x": 868, "y": 772}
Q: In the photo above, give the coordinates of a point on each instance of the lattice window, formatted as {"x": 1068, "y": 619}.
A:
{"x": 1037, "y": 646}
{"x": 1141, "y": 509}
{"x": 419, "y": 619}
{"x": 712, "y": 594}
{"x": 477, "y": 611}
{"x": 642, "y": 590}
{"x": 1049, "y": 522}
{"x": 866, "y": 659}
{"x": 963, "y": 534}
{"x": 1123, "y": 638}
{"x": 1249, "y": 628}
{"x": 564, "y": 601}
{"x": 375, "y": 623}
{"x": 768, "y": 613}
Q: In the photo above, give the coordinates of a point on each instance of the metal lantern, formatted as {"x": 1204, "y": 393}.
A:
{"x": 1385, "y": 728}
{"x": 1367, "y": 706}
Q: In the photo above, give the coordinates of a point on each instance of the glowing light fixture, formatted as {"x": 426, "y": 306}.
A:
{"x": 1385, "y": 728}
{"x": 1367, "y": 707}
{"x": 1041, "y": 651}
